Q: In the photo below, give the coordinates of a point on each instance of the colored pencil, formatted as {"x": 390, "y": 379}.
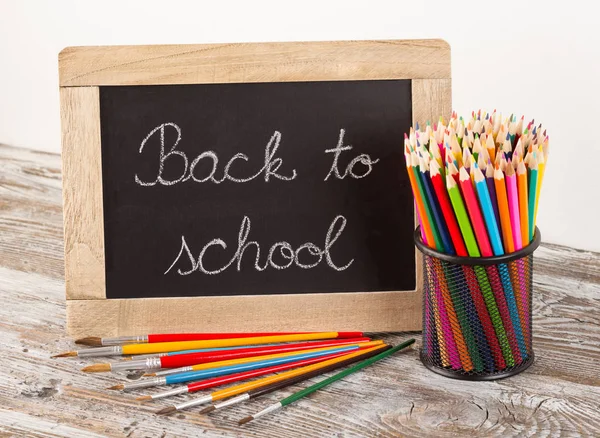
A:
{"x": 187, "y": 359}
{"x": 164, "y": 347}
{"x": 533, "y": 190}
{"x": 257, "y": 392}
{"x": 244, "y": 387}
{"x": 237, "y": 377}
{"x": 446, "y": 207}
{"x": 488, "y": 212}
{"x": 462, "y": 217}
{"x": 468, "y": 193}
{"x": 438, "y": 218}
{"x": 513, "y": 206}
{"x": 313, "y": 388}
{"x": 248, "y": 359}
{"x": 523, "y": 202}
{"x": 418, "y": 195}
{"x": 191, "y": 376}
{"x": 435, "y": 236}
{"x": 504, "y": 211}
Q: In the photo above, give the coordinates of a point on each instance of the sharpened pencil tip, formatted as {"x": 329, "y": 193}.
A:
{"x": 117, "y": 387}
{"x": 166, "y": 411}
{"x": 144, "y": 398}
{"x": 67, "y": 354}
{"x": 97, "y": 368}
{"x": 207, "y": 409}
{"x": 245, "y": 420}
{"x": 91, "y": 341}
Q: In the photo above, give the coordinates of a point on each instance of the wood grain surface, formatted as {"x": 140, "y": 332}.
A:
{"x": 43, "y": 397}
{"x": 254, "y": 62}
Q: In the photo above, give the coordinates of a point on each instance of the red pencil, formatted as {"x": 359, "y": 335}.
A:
{"x": 475, "y": 213}
{"x": 447, "y": 211}
{"x": 218, "y": 381}
{"x": 177, "y": 337}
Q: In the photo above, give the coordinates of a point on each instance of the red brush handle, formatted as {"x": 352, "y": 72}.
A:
{"x": 184, "y": 360}
{"x": 176, "y": 337}
{"x": 217, "y": 381}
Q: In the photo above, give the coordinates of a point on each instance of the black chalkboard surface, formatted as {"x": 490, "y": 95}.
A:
{"x": 257, "y": 188}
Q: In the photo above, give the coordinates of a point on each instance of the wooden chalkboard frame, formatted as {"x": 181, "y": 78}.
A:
{"x": 83, "y": 70}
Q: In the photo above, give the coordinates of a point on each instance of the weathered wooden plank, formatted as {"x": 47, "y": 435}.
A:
{"x": 254, "y": 62}
{"x": 82, "y": 193}
{"x": 43, "y": 397}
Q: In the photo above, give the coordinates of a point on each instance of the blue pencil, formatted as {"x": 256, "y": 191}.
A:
{"x": 435, "y": 208}
{"x": 488, "y": 211}
{"x": 489, "y": 179}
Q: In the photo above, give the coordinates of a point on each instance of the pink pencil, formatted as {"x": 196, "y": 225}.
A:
{"x": 475, "y": 213}
{"x": 513, "y": 205}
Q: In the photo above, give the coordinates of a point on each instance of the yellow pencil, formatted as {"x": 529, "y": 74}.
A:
{"x": 165, "y": 347}
{"x": 222, "y": 363}
{"x": 540, "y": 177}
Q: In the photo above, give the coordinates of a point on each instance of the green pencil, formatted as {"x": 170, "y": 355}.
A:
{"x": 301, "y": 394}
{"x": 533, "y": 182}
{"x": 461, "y": 214}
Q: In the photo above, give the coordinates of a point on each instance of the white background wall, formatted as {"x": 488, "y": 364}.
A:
{"x": 540, "y": 58}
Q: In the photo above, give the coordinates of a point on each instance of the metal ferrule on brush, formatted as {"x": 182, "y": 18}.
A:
{"x": 232, "y": 401}
{"x": 172, "y": 392}
{"x": 114, "y": 350}
{"x": 195, "y": 402}
{"x": 174, "y": 371}
{"x": 145, "y": 364}
{"x": 125, "y": 340}
{"x": 146, "y": 383}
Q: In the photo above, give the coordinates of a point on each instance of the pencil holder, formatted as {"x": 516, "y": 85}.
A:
{"x": 477, "y": 313}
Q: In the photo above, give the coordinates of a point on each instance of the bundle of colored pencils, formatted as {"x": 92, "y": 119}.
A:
{"x": 477, "y": 182}
{"x": 208, "y": 360}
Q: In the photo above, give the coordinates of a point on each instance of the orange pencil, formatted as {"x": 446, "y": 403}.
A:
{"x": 418, "y": 198}
{"x": 507, "y": 237}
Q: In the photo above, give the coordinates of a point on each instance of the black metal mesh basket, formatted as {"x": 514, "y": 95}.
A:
{"x": 477, "y": 313}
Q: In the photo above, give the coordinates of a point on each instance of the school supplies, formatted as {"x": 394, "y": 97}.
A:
{"x": 257, "y": 392}
{"x": 303, "y": 393}
{"x": 197, "y": 357}
{"x": 239, "y": 389}
{"x": 163, "y": 347}
{"x": 477, "y": 306}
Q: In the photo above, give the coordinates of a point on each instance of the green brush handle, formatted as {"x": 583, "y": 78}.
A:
{"x": 300, "y": 394}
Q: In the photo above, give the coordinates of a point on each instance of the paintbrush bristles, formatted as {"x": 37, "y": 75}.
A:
{"x": 117, "y": 387}
{"x": 92, "y": 341}
{"x": 67, "y": 354}
{"x": 245, "y": 420}
{"x": 97, "y": 368}
{"x": 207, "y": 409}
{"x": 144, "y": 398}
{"x": 166, "y": 411}
{"x": 149, "y": 375}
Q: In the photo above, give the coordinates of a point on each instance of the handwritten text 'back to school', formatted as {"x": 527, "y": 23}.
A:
{"x": 238, "y": 170}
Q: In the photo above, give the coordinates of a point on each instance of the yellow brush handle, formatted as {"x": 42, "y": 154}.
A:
{"x": 245, "y": 387}
{"x": 223, "y": 363}
{"x": 166, "y": 347}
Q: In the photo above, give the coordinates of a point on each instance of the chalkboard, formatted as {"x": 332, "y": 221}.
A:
{"x": 256, "y": 188}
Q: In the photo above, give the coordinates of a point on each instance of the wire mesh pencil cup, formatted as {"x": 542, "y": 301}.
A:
{"x": 477, "y": 313}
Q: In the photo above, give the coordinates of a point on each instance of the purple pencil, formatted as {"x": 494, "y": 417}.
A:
{"x": 489, "y": 180}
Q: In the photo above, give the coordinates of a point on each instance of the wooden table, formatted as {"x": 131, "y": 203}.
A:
{"x": 558, "y": 396}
